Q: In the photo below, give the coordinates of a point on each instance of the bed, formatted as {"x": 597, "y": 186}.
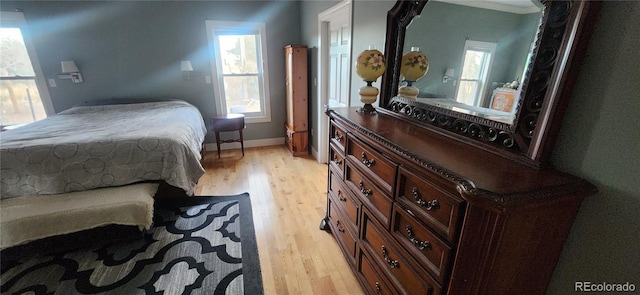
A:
{"x": 102, "y": 148}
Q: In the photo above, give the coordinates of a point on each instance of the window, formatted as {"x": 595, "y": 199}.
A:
{"x": 239, "y": 67}
{"x": 476, "y": 64}
{"x": 23, "y": 95}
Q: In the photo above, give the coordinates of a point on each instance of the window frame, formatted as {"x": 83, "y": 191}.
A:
{"x": 215, "y": 28}
{"x": 482, "y": 81}
{"x": 15, "y": 19}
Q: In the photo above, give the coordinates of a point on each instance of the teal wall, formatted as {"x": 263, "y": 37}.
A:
{"x": 309, "y": 11}
{"x": 443, "y": 28}
{"x": 600, "y": 141}
{"x": 134, "y": 48}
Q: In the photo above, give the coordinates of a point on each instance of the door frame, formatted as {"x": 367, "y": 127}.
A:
{"x": 323, "y": 73}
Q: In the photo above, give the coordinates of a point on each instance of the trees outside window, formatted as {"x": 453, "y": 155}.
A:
{"x": 239, "y": 67}
{"x": 23, "y": 96}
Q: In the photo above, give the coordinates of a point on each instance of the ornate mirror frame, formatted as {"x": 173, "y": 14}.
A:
{"x": 543, "y": 97}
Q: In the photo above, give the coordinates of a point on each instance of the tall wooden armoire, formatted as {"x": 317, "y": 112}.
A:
{"x": 297, "y": 125}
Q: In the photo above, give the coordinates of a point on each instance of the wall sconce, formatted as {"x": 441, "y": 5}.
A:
{"x": 187, "y": 70}
{"x": 448, "y": 74}
{"x": 70, "y": 71}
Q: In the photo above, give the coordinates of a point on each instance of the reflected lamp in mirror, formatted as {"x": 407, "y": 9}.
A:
{"x": 414, "y": 66}
{"x": 370, "y": 65}
{"x": 187, "y": 70}
{"x": 448, "y": 74}
{"x": 70, "y": 71}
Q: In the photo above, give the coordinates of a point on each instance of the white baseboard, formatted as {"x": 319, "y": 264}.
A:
{"x": 247, "y": 144}
{"x": 314, "y": 153}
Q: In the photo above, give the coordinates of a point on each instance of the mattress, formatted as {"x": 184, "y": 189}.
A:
{"x": 91, "y": 147}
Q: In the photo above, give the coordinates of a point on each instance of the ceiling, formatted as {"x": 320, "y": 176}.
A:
{"x": 513, "y": 6}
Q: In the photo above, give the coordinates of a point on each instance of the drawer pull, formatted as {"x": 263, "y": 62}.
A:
{"x": 340, "y": 197}
{"x": 365, "y": 192}
{"x": 367, "y": 162}
{"x": 340, "y": 229}
{"x": 378, "y": 289}
{"x": 431, "y": 205}
{"x": 390, "y": 262}
{"x": 337, "y": 136}
{"x": 419, "y": 244}
{"x": 337, "y": 160}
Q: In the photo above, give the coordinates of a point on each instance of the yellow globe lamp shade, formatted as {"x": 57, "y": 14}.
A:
{"x": 414, "y": 65}
{"x": 370, "y": 65}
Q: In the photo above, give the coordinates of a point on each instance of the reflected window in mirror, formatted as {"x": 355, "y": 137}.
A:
{"x": 476, "y": 64}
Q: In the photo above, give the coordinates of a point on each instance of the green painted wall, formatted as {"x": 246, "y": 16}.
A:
{"x": 600, "y": 141}
{"x": 134, "y": 48}
{"x": 309, "y": 11}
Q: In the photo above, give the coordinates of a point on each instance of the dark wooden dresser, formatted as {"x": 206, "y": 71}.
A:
{"x": 416, "y": 211}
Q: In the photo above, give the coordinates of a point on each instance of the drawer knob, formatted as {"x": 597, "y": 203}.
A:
{"x": 390, "y": 262}
{"x": 365, "y": 192}
{"x": 367, "y": 162}
{"x": 419, "y": 244}
{"x": 340, "y": 197}
{"x": 431, "y": 205}
{"x": 378, "y": 289}
{"x": 340, "y": 229}
{"x": 337, "y": 160}
{"x": 337, "y": 136}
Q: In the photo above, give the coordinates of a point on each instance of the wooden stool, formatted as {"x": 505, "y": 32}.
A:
{"x": 226, "y": 123}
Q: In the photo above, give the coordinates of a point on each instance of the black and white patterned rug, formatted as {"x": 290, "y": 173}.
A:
{"x": 197, "y": 245}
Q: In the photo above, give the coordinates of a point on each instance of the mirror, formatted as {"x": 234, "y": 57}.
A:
{"x": 481, "y": 47}
{"x": 498, "y": 79}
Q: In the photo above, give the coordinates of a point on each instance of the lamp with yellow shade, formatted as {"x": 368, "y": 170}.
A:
{"x": 369, "y": 66}
{"x": 413, "y": 67}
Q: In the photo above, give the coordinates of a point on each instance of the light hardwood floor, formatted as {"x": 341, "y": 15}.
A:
{"x": 288, "y": 198}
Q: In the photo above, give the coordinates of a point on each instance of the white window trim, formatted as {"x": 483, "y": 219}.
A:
{"x": 481, "y": 46}
{"x": 212, "y": 26}
{"x": 16, "y": 19}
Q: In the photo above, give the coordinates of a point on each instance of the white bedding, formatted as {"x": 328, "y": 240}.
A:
{"x": 100, "y": 146}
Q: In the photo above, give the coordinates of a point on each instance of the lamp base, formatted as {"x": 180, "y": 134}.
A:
{"x": 408, "y": 91}
{"x": 367, "y": 109}
{"x": 368, "y": 95}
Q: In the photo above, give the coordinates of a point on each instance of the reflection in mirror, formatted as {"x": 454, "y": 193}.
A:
{"x": 478, "y": 53}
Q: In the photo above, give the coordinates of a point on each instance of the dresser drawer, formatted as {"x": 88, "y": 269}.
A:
{"x": 432, "y": 253}
{"x": 369, "y": 194}
{"x": 336, "y": 160}
{"x": 410, "y": 278}
{"x": 337, "y": 136}
{"x": 374, "y": 283}
{"x": 342, "y": 231}
{"x": 379, "y": 168}
{"x": 343, "y": 199}
{"x": 430, "y": 204}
